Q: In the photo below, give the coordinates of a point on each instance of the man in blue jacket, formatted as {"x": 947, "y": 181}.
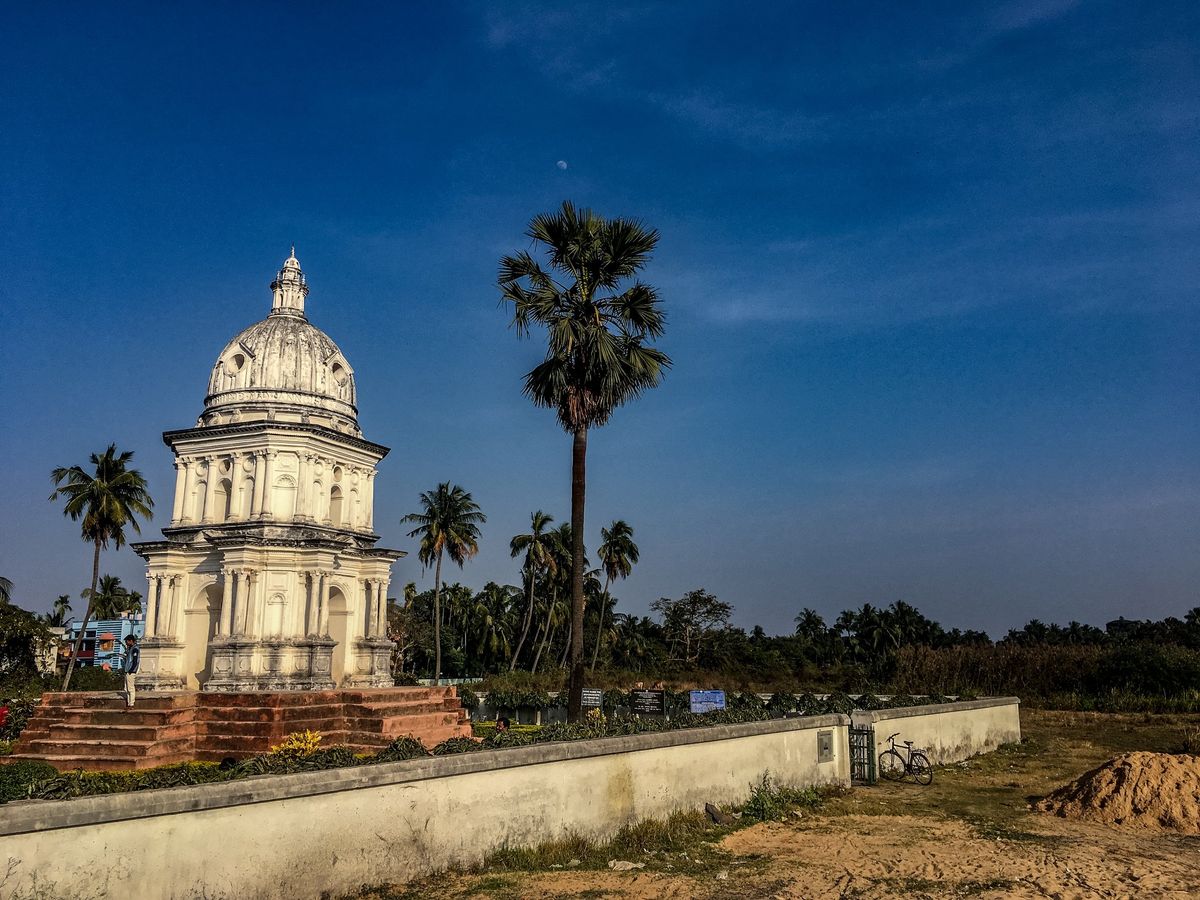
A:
{"x": 133, "y": 656}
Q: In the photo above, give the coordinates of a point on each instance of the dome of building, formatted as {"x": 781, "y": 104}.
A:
{"x": 283, "y": 369}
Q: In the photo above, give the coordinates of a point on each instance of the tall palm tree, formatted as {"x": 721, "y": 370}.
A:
{"x": 560, "y": 542}
{"x": 5, "y": 590}
{"x": 448, "y": 523}
{"x": 599, "y": 325}
{"x": 618, "y": 555}
{"x": 104, "y": 501}
{"x": 536, "y": 546}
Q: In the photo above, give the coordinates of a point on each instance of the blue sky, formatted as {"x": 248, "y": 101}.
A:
{"x": 931, "y": 272}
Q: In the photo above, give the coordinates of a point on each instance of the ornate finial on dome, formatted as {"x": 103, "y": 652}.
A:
{"x": 289, "y": 288}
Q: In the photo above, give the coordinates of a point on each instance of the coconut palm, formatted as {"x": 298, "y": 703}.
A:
{"x": 111, "y": 599}
{"x": 618, "y": 555}
{"x": 536, "y": 546}
{"x": 448, "y": 523}
{"x": 61, "y": 612}
{"x": 599, "y": 322}
{"x": 104, "y": 501}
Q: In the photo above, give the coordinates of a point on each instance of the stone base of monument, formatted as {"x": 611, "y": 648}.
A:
{"x": 94, "y": 731}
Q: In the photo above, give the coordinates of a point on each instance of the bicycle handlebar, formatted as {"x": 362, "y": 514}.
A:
{"x": 890, "y": 736}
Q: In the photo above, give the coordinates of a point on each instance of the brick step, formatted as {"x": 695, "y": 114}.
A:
{"x": 100, "y": 732}
{"x": 110, "y": 748}
{"x": 271, "y": 714}
{"x": 135, "y": 716}
{"x": 91, "y": 762}
{"x": 401, "y": 709}
{"x": 407, "y": 724}
{"x": 372, "y": 695}
{"x": 248, "y": 745}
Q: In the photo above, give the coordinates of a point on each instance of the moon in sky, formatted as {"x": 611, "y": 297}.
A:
{"x": 562, "y": 164}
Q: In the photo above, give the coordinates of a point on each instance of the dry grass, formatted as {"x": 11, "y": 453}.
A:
{"x": 893, "y": 840}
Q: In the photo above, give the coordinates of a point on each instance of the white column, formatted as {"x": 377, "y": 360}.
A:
{"x": 370, "y": 503}
{"x": 226, "y": 623}
{"x": 244, "y": 610}
{"x": 151, "y": 603}
{"x": 210, "y": 489}
{"x": 323, "y": 625}
{"x": 310, "y": 602}
{"x": 368, "y": 617}
{"x": 381, "y": 600}
{"x": 180, "y": 484}
{"x": 236, "y": 486}
{"x": 302, "y": 487}
{"x": 188, "y": 513}
{"x": 256, "y": 500}
{"x": 176, "y": 605}
{"x": 267, "y": 475}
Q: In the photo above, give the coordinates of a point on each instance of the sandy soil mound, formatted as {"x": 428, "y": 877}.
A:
{"x": 1157, "y": 790}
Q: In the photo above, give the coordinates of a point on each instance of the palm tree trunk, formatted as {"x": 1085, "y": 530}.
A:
{"x": 600, "y": 627}
{"x": 437, "y": 622}
{"x": 562, "y": 662}
{"x": 528, "y": 621}
{"x": 546, "y": 630}
{"x": 578, "y": 495}
{"x": 87, "y": 614}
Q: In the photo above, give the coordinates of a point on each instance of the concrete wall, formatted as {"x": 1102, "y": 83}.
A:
{"x": 948, "y": 732}
{"x": 297, "y": 836}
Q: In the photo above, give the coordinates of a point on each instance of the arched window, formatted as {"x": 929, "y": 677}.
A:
{"x": 335, "y": 506}
{"x": 222, "y": 501}
{"x": 285, "y": 498}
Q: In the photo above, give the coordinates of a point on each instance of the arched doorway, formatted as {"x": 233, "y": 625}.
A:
{"x": 200, "y": 620}
{"x": 340, "y": 631}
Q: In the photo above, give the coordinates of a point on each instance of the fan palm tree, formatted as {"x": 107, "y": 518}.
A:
{"x": 448, "y": 523}
{"x": 104, "y": 501}
{"x": 618, "y": 555}
{"x": 536, "y": 546}
{"x": 599, "y": 324}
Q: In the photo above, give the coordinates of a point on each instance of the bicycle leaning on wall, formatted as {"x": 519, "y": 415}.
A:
{"x": 895, "y": 767}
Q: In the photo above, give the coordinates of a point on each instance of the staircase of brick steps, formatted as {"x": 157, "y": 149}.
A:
{"x": 431, "y": 715}
{"x": 96, "y": 732}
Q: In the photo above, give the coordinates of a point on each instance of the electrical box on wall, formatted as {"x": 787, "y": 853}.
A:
{"x": 824, "y": 746}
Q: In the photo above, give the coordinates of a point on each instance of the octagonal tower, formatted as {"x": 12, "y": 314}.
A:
{"x": 268, "y": 577}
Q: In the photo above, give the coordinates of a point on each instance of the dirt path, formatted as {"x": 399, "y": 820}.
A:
{"x": 972, "y": 834}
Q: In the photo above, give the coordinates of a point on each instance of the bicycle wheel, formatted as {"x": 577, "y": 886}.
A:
{"x": 891, "y": 765}
{"x": 922, "y": 768}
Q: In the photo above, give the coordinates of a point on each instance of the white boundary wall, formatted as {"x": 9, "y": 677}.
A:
{"x": 299, "y": 836}
{"x": 947, "y": 732}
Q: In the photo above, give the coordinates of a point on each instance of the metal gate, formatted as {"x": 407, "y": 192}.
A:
{"x": 862, "y": 755}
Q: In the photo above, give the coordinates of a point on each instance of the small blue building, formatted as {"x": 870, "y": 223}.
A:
{"x": 104, "y": 640}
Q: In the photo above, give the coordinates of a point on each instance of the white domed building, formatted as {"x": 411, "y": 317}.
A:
{"x": 268, "y": 577}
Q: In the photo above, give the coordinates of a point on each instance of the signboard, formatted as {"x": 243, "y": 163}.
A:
{"x": 593, "y": 697}
{"x": 648, "y": 703}
{"x": 707, "y": 701}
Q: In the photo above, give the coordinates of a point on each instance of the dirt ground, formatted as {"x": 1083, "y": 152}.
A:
{"x": 972, "y": 833}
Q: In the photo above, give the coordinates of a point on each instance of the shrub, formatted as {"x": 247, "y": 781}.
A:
{"x": 17, "y": 777}
{"x": 19, "y": 712}
{"x": 468, "y": 698}
{"x": 769, "y": 801}
{"x": 457, "y": 745}
{"x": 839, "y": 702}
{"x": 299, "y": 743}
{"x": 781, "y": 703}
{"x": 401, "y": 748}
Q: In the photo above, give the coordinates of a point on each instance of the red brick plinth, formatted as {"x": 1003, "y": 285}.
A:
{"x": 95, "y": 731}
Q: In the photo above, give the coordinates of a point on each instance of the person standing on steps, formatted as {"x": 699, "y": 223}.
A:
{"x": 133, "y": 656}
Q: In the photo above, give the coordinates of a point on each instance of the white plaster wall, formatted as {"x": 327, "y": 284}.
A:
{"x": 948, "y": 732}
{"x": 298, "y": 836}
